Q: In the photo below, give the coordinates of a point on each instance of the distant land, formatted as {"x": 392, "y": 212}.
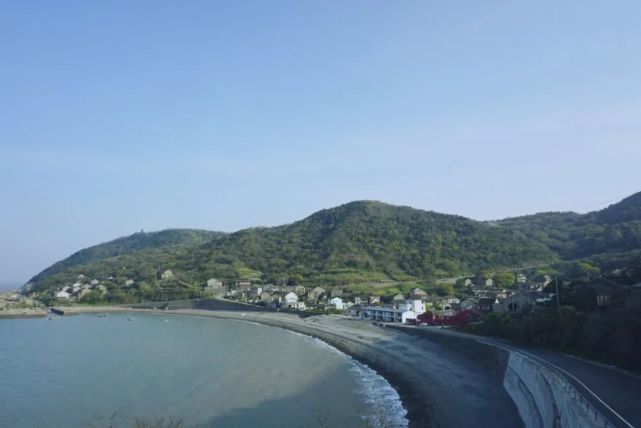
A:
{"x": 9, "y": 285}
{"x": 361, "y": 243}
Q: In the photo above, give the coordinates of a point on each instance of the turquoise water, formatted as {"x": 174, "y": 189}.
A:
{"x": 79, "y": 371}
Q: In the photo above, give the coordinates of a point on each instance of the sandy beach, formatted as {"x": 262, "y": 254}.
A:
{"x": 22, "y": 313}
{"x": 438, "y": 387}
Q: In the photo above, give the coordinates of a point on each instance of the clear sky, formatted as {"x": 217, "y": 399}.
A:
{"x": 126, "y": 115}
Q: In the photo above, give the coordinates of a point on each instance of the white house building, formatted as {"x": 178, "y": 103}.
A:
{"x": 62, "y": 295}
{"x": 387, "y": 314}
{"x": 337, "y": 303}
{"x": 290, "y": 301}
{"x": 398, "y": 312}
{"x": 214, "y": 283}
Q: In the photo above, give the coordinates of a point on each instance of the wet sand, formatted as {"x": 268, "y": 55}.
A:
{"x": 438, "y": 387}
{"x": 22, "y": 313}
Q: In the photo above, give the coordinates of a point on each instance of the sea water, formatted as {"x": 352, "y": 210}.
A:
{"x": 107, "y": 371}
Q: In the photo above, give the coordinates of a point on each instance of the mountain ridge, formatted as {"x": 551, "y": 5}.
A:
{"x": 359, "y": 241}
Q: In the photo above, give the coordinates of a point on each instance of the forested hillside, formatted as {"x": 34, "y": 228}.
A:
{"x": 615, "y": 229}
{"x": 370, "y": 240}
{"x": 364, "y": 241}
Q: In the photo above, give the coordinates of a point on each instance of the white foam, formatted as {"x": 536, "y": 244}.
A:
{"x": 378, "y": 394}
{"x": 388, "y": 410}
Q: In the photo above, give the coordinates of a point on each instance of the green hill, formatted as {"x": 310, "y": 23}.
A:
{"x": 124, "y": 257}
{"x": 364, "y": 241}
{"x": 369, "y": 240}
{"x": 615, "y": 229}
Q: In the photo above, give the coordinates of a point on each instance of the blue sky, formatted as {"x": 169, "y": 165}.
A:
{"x": 126, "y": 115}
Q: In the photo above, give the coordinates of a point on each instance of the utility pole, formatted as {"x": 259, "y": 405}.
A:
{"x": 558, "y": 297}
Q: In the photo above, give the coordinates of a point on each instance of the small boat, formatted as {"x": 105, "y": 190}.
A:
{"x": 102, "y": 315}
{"x": 130, "y": 319}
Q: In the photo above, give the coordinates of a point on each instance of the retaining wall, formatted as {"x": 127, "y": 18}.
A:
{"x": 544, "y": 396}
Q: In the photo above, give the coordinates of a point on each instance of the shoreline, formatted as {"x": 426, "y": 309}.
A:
{"x": 437, "y": 387}
{"x": 416, "y": 415}
{"x": 22, "y": 313}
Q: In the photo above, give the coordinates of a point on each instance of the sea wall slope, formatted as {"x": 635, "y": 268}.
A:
{"x": 545, "y": 396}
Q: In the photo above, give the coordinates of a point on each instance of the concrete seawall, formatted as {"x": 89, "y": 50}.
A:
{"x": 545, "y": 396}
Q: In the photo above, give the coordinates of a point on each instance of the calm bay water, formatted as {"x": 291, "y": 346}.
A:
{"x": 79, "y": 371}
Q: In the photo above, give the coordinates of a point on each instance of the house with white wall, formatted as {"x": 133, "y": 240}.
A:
{"x": 337, "y": 303}
{"x": 63, "y": 295}
{"x": 290, "y": 301}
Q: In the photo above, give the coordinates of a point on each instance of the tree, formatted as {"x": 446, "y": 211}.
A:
{"x": 295, "y": 279}
{"x": 504, "y": 279}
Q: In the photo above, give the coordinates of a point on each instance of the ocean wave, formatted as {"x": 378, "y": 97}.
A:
{"x": 377, "y": 392}
{"x": 380, "y": 396}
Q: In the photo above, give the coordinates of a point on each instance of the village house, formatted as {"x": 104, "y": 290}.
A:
{"x": 374, "y": 300}
{"x": 214, "y": 286}
{"x": 355, "y": 311}
{"x": 167, "y": 275}
{"x": 358, "y": 300}
{"x": 449, "y": 302}
{"x": 290, "y": 300}
{"x": 63, "y": 294}
{"x": 276, "y": 297}
{"x": 315, "y": 294}
{"x": 601, "y": 292}
{"x": 243, "y": 284}
{"x": 336, "y": 303}
{"x": 235, "y": 294}
{"x": 398, "y": 312}
{"x": 265, "y": 297}
{"x": 82, "y": 293}
{"x": 254, "y": 293}
{"x": 417, "y": 293}
{"x": 502, "y": 294}
{"x": 633, "y": 300}
{"x": 398, "y": 298}
{"x": 387, "y": 314}
{"x": 486, "y": 304}
{"x": 214, "y": 283}
{"x": 299, "y": 290}
{"x": 336, "y": 292}
{"x": 469, "y": 303}
{"x": 516, "y": 302}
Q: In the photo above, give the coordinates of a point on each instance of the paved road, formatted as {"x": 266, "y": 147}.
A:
{"x": 613, "y": 391}
{"x": 619, "y": 390}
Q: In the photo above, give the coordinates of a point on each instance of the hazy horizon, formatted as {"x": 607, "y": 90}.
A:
{"x": 222, "y": 116}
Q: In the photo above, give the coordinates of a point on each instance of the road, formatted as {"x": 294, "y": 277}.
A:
{"x": 616, "y": 393}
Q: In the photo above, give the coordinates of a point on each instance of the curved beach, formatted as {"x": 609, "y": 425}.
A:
{"x": 438, "y": 387}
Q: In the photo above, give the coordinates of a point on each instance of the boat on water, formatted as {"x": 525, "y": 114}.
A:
{"x": 102, "y": 315}
{"x": 130, "y": 319}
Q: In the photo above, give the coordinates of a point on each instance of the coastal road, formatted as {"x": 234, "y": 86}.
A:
{"x": 616, "y": 393}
